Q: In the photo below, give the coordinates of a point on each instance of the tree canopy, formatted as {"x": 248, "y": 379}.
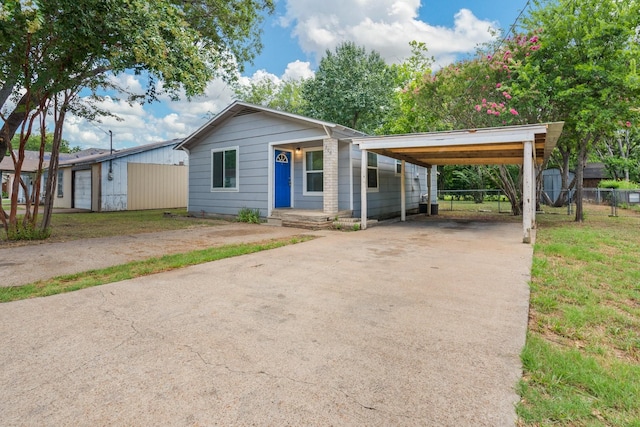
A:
{"x": 51, "y": 50}
{"x": 51, "y": 45}
{"x": 351, "y": 87}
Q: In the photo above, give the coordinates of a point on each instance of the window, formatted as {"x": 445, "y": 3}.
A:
{"x": 224, "y": 169}
{"x": 372, "y": 171}
{"x": 398, "y": 167}
{"x": 313, "y": 175}
{"x": 60, "y": 184}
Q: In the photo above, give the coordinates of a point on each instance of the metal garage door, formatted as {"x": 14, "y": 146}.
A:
{"x": 82, "y": 189}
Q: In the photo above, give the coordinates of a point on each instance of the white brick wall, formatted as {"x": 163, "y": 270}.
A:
{"x": 330, "y": 176}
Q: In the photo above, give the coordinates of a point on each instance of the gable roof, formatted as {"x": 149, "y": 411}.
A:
{"x": 595, "y": 170}
{"x": 239, "y": 108}
{"x": 104, "y": 155}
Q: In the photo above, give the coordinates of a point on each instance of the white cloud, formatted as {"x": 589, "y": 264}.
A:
{"x": 298, "y": 70}
{"x": 138, "y": 124}
{"x": 384, "y": 25}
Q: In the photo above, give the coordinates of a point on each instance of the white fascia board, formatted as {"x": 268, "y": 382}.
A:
{"x": 437, "y": 139}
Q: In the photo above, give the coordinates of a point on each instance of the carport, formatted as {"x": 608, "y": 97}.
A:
{"x": 523, "y": 145}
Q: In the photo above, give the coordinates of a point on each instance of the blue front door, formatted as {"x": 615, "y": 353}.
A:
{"x": 282, "y": 179}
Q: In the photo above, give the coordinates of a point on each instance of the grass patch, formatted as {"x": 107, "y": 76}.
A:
{"x": 582, "y": 356}
{"x": 135, "y": 269}
{"x": 75, "y": 226}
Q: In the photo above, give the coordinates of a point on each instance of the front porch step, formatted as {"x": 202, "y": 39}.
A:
{"x": 308, "y": 219}
{"x": 352, "y": 223}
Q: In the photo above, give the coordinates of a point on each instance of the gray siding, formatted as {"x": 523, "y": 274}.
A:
{"x": 252, "y": 134}
{"x": 386, "y": 202}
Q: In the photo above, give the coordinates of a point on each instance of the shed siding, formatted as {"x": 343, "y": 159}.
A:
{"x": 252, "y": 134}
{"x": 154, "y": 186}
{"x": 114, "y": 197}
{"x": 66, "y": 199}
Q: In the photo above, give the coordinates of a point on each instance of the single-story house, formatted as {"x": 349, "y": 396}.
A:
{"x": 151, "y": 176}
{"x": 29, "y": 168}
{"x": 254, "y": 157}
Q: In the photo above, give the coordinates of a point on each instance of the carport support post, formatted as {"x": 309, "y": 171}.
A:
{"x": 363, "y": 191}
{"x": 403, "y": 194}
{"x": 429, "y": 191}
{"x": 527, "y": 190}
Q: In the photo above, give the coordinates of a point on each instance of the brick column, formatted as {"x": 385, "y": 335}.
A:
{"x": 330, "y": 176}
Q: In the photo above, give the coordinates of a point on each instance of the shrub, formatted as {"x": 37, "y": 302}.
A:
{"x": 28, "y": 232}
{"x": 620, "y": 185}
{"x": 252, "y": 216}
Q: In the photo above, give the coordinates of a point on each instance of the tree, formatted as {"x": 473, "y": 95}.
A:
{"x": 351, "y": 87}
{"x": 34, "y": 142}
{"x": 620, "y": 153}
{"x": 50, "y": 50}
{"x": 482, "y": 92}
{"x": 283, "y": 95}
{"x": 406, "y": 116}
{"x": 586, "y": 66}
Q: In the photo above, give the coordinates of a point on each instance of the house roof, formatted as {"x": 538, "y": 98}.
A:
{"x": 238, "y": 108}
{"x": 486, "y": 146}
{"x": 595, "y": 171}
{"x": 30, "y": 163}
{"x": 104, "y": 155}
{"x": 32, "y": 159}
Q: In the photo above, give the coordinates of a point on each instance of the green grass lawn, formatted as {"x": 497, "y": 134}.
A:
{"x": 582, "y": 356}
{"x": 86, "y": 279}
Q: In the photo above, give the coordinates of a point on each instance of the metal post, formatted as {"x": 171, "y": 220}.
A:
{"x": 363, "y": 190}
{"x": 527, "y": 194}
{"x": 429, "y": 191}
{"x": 403, "y": 194}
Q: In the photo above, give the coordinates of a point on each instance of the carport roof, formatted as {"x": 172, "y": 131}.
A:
{"x": 486, "y": 146}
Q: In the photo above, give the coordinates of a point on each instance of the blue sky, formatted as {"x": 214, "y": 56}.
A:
{"x": 295, "y": 38}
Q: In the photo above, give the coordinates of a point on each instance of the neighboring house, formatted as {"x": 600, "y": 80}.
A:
{"x": 28, "y": 173}
{"x": 152, "y": 176}
{"x": 29, "y": 170}
{"x": 254, "y": 157}
{"x": 593, "y": 174}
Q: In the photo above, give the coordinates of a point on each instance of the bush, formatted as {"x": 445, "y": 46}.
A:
{"x": 252, "y": 216}
{"x": 619, "y": 185}
{"x": 28, "y": 232}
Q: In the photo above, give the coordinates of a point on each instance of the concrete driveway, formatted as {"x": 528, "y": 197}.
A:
{"x": 417, "y": 323}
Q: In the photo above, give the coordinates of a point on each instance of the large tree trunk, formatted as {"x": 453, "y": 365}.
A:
{"x": 582, "y": 160}
{"x": 511, "y": 189}
{"x": 52, "y": 178}
{"x": 565, "y": 187}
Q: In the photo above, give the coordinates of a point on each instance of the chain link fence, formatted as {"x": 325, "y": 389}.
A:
{"x": 601, "y": 201}
{"x": 611, "y": 202}
{"x": 473, "y": 200}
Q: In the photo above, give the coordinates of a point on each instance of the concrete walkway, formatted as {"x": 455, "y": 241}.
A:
{"x": 419, "y": 323}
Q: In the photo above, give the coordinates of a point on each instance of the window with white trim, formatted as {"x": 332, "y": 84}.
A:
{"x": 372, "y": 171}
{"x": 224, "y": 169}
{"x": 313, "y": 171}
